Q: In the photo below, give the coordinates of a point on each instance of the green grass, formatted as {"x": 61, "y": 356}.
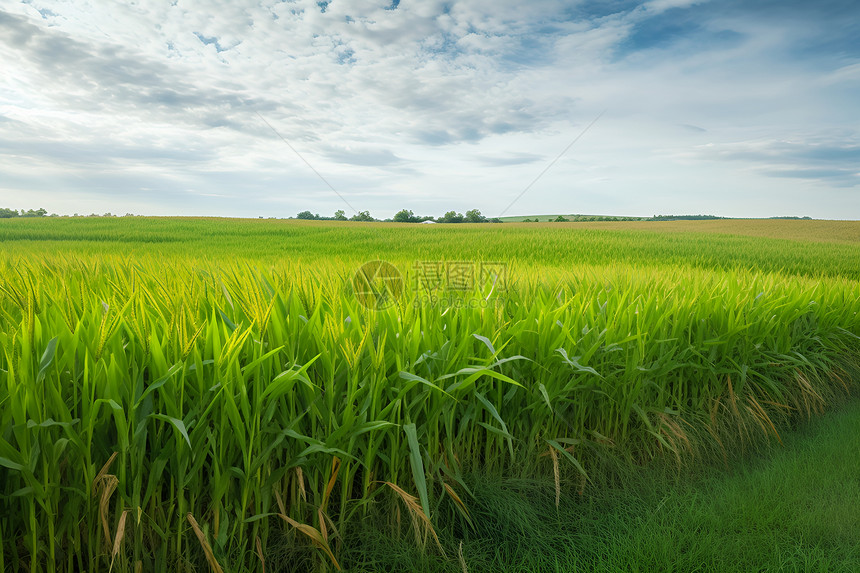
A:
{"x": 810, "y": 248}
{"x": 174, "y": 391}
{"x": 790, "y": 509}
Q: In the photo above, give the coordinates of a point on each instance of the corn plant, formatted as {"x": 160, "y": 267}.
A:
{"x": 161, "y": 409}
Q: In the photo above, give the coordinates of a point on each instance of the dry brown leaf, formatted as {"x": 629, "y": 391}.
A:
{"x": 207, "y": 549}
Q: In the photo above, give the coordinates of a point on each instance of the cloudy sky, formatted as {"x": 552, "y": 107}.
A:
{"x": 732, "y": 108}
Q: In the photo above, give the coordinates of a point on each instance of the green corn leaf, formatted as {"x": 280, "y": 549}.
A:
{"x": 417, "y": 464}
{"x": 176, "y": 423}
{"x": 47, "y": 358}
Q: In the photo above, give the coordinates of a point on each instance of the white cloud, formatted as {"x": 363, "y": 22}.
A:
{"x": 429, "y": 106}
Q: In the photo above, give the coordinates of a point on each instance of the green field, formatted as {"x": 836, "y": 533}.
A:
{"x": 177, "y": 391}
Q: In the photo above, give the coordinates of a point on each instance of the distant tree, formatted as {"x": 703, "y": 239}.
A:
{"x": 306, "y": 215}
{"x": 452, "y": 217}
{"x": 561, "y": 219}
{"x": 8, "y": 213}
{"x": 362, "y": 216}
{"x": 474, "y": 216}
{"x": 495, "y": 220}
{"x": 405, "y": 216}
{"x": 339, "y": 215}
{"x": 684, "y": 217}
{"x": 32, "y": 213}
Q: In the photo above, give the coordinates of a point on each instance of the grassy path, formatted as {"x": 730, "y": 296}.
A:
{"x": 795, "y": 508}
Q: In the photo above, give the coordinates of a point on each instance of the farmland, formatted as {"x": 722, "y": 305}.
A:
{"x": 181, "y": 393}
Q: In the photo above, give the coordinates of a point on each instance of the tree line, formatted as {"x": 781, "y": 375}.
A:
{"x": 10, "y": 213}
{"x": 407, "y": 216}
{"x": 404, "y": 216}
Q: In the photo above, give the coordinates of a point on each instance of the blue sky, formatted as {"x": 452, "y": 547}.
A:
{"x": 730, "y": 108}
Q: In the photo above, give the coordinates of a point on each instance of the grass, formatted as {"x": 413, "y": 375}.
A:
{"x": 801, "y": 230}
{"x": 792, "y": 508}
{"x": 811, "y": 248}
{"x": 177, "y": 392}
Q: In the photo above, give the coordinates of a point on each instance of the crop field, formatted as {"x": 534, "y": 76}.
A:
{"x": 241, "y": 395}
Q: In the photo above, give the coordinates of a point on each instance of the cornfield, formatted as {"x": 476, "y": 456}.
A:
{"x": 190, "y": 393}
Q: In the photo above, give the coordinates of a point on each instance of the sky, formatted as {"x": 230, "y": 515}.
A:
{"x": 244, "y": 108}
